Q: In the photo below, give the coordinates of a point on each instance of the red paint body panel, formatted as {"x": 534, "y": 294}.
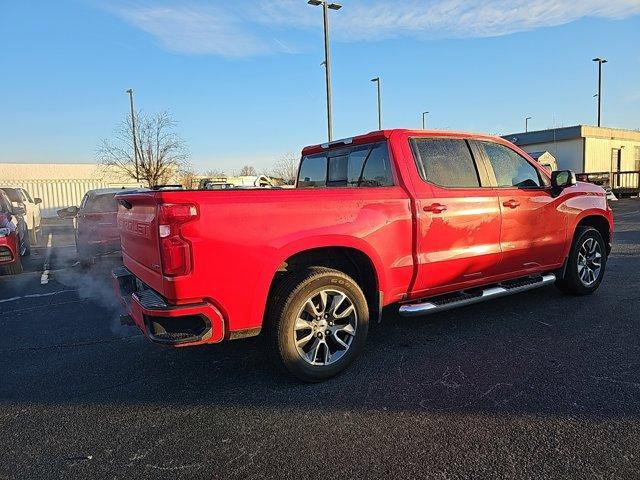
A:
{"x": 10, "y": 242}
{"x": 240, "y": 238}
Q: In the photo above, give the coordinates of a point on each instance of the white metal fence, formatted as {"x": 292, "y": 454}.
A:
{"x": 57, "y": 194}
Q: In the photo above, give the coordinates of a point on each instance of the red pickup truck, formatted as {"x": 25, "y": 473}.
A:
{"x": 424, "y": 219}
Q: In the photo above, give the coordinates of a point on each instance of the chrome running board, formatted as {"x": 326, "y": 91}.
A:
{"x": 460, "y": 299}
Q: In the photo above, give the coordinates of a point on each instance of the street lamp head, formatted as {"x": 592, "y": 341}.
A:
{"x": 528, "y": 118}
{"x": 334, "y": 6}
{"x": 601, "y": 60}
{"x": 129, "y": 91}
{"x": 377, "y": 79}
{"x": 315, "y": 3}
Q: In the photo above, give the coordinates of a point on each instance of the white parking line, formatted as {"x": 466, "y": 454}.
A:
{"x": 34, "y": 295}
{"x": 44, "y": 279}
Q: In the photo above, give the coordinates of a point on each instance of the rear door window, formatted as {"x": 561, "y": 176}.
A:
{"x": 511, "y": 169}
{"x": 446, "y": 162}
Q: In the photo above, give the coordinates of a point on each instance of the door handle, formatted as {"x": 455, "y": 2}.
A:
{"x": 434, "y": 208}
{"x": 511, "y": 203}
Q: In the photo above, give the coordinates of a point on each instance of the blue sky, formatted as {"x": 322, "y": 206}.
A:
{"x": 244, "y": 82}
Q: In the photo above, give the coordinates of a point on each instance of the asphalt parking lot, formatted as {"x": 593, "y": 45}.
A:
{"x": 531, "y": 386}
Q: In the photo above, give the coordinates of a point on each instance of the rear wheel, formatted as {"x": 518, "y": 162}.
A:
{"x": 86, "y": 261}
{"x": 585, "y": 264}
{"x": 317, "y": 323}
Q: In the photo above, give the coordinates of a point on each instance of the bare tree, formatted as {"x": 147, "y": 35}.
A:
{"x": 215, "y": 172}
{"x": 247, "y": 170}
{"x": 162, "y": 154}
{"x": 286, "y": 168}
{"x": 188, "y": 178}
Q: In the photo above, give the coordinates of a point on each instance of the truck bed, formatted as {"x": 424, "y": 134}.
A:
{"x": 241, "y": 237}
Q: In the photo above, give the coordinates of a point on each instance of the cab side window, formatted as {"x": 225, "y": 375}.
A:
{"x": 511, "y": 169}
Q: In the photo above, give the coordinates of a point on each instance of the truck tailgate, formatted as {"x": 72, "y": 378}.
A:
{"x": 137, "y": 223}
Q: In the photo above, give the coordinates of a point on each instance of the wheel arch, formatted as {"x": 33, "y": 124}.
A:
{"x": 600, "y": 223}
{"x": 349, "y": 256}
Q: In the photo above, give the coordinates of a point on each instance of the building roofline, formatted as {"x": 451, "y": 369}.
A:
{"x": 571, "y": 133}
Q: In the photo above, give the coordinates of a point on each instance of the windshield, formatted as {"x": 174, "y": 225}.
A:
{"x": 13, "y": 194}
{"x": 102, "y": 204}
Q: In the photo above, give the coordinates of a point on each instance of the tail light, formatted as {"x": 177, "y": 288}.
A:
{"x": 175, "y": 251}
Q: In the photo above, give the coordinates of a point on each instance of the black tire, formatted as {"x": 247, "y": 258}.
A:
{"x": 84, "y": 257}
{"x": 289, "y": 298}
{"x": 572, "y": 282}
{"x": 86, "y": 262}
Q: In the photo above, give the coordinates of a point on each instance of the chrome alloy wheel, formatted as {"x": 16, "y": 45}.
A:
{"x": 589, "y": 261}
{"x": 325, "y": 327}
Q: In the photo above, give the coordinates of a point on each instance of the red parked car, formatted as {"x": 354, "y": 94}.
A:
{"x": 14, "y": 240}
{"x": 426, "y": 220}
{"x": 96, "y": 224}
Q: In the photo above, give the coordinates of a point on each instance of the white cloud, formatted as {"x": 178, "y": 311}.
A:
{"x": 361, "y": 20}
{"x": 195, "y": 29}
{"x": 248, "y": 27}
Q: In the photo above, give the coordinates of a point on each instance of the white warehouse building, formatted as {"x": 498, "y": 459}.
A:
{"x": 585, "y": 149}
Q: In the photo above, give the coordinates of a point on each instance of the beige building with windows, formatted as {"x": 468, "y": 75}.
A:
{"x": 587, "y": 149}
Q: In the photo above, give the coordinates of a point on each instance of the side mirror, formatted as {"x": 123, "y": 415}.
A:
{"x": 19, "y": 211}
{"x": 37, "y": 200}
{"x": 563, "y": 179}
{"x": 69, "y": 212}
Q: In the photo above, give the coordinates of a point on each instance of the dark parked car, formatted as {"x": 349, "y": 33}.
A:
{"x": 95, "y": 222}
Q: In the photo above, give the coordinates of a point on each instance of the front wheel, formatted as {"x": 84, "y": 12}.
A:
{"x": 585, "y": 264}
{"x": 317, "y": 323}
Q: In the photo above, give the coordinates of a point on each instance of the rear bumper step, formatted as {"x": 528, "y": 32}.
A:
{"x": 164, "y": 323}
{"x": 460, "y": 299}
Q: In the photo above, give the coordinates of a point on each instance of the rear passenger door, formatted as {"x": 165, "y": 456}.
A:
{"x": 533, "y": 230}
{"x": 458, "y": 214}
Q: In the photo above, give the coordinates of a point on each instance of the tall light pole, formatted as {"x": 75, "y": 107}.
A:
{"x": 600, "y": 62}
{"x": 327, "y": 64}
{"x": 377, "y": 81}
{"x": 526, "y": 123}
{"x": 424, "y": 123}
{"x": 133, "y": 133}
